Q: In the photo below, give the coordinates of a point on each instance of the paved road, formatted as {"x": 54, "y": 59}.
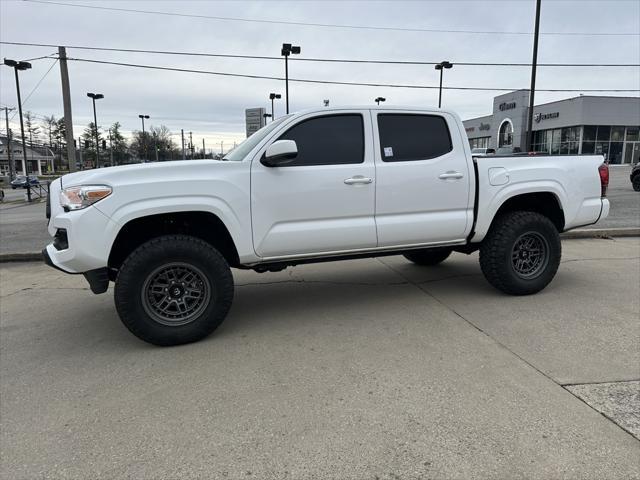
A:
{"x": 23, "y": 227}
{"x": 354, "y": 370}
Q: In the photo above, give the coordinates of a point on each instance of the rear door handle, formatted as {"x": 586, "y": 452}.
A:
{"x": 451, "y": 176}
{"x": 358, "y": 180}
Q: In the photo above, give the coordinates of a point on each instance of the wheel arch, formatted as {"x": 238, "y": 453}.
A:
{"x": 546, "y": 203}
{"x": 200, "y": 224}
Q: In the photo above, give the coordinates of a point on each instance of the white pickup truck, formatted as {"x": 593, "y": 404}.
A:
{"x": 324, "y": 184}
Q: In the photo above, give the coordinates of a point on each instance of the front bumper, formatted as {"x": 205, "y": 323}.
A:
{"x": 98, "y": 279}
{"x": 87, "y": 238}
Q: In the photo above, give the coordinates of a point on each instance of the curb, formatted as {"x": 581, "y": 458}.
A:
{"x": 571, "y": 235}
{"x": 602, "y": 233}
{"x": 21, "y": 257}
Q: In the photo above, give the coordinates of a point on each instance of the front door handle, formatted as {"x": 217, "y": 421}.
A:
{"x": 451, "y": 176}
{"x": 358, "y": 180}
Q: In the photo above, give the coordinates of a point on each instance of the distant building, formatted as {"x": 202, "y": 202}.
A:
{"x": 39, "y": 157}
{"x": 608, "y": 126}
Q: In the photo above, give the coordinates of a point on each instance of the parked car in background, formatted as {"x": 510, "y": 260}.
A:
{"x": 483, "y": 151}
{"x": 508, "y": 150}
{"x": 317, "y": 185}
{"x": 21, "y": 181}
{"x": 635, "y": 177}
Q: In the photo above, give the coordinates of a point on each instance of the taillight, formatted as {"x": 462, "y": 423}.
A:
{"x": 603, "y": 170}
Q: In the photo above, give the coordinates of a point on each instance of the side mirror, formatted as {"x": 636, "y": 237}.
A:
{"x": 279, "y": 153}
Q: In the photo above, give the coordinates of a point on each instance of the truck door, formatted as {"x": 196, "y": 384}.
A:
{"x": 322, "y": 201}
{"x": 423, "y": 179}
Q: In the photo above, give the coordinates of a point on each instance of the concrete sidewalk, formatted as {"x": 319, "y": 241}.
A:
{"x": 350, "y": 370}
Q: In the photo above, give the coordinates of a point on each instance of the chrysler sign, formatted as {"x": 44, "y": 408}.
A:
{"x": 538, "y": 117}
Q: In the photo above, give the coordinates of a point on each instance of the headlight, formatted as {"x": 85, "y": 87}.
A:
{"x": 77, "y": 198}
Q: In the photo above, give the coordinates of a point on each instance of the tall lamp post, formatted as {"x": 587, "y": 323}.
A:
{"x": 94, "y": 97}
{"x": 144, "y": 139}
{"x": 272, "y": 97}
{"x": 380, "y": 99}
{"x": 288, "y": 49}
{"x": 21, "y": 66}
{"x": 441, "y": 66}
{"x": 265, "y": 116}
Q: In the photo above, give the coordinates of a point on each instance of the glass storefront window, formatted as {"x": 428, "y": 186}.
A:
{"x": 589, "y": 133}
{"x": 633, "y": 134}
{"x": 588, "y": 148}
{"x": 615, "y": 152}
{"x": 573, "y": 148}
{"x": 617, "y": 134}
{"x": 602, "y": 148}
{"x": 603, "y": 133}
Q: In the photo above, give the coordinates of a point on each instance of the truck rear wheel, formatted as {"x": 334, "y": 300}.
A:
{"x": 521, "y": 253}
{"x": 428, "y": 256}
{"x": 173, "y": 289}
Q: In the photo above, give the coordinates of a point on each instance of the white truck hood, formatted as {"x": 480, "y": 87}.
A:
{"x": 113, "y": 176}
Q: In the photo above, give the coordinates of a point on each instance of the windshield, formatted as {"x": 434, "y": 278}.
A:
{"x": 241, "y": 151}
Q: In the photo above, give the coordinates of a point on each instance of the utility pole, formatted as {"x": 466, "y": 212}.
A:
{"x": 110, "y": 150}
{"x": 222, "y": 148}
{"x": 12, "y": 167}
{"x": 532, "y": 90}
{"x": 183, "y": 153}
{"x": 155, "y": 144}
{"x": 80, "y": 151}
{"x": 191, "y": 144}
{"x": 204, "y": 155}
{"x": 66, "y": 100}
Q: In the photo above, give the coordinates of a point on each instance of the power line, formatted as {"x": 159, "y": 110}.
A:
{"x": 328, "y": 60}
{"x": 330, "y": 25}
{"x": 332, "y": 82}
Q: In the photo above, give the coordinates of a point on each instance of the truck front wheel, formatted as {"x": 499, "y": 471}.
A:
{"x": 521, "y": 253}
{"x": 173, "y": 289}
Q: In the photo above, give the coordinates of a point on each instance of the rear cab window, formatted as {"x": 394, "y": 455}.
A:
{"x": 408, "y": 137}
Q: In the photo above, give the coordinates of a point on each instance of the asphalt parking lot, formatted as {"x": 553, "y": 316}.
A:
{"x": 361, "y": 369}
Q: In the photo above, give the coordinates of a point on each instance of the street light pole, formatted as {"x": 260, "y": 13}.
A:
{"x": 288, "y": 49}
{"x": 21, "y": 66}
{"x": 380, "y": 99}
{"x": 272, "y": 97}
{"x": 94, "y": 97}
{"x": 441, "y": 66}
{"x": 144, "y": 139}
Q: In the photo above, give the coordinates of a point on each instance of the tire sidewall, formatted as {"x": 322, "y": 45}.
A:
{"x": 154, "y": 254}
{"x": 550, "y": 234}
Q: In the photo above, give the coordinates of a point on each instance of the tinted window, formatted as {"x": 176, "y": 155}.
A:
{"x": 329, "y": 140}
{"x": 412, "y": 137}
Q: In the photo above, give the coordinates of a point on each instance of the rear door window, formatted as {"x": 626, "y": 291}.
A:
{"x": 410, "y": 137}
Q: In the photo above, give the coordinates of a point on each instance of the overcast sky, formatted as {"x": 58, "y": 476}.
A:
{"x": 213, "y": 107}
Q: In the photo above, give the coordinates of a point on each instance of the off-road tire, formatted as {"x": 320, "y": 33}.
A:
{"x": 499, "y": 248}
{"x": 133, "y": 280}
{"x": 428, "y": 256}
{"x": 636, "y": 182}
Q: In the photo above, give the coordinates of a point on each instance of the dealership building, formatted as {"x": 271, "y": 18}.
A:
{"x": 609, "y": 126}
